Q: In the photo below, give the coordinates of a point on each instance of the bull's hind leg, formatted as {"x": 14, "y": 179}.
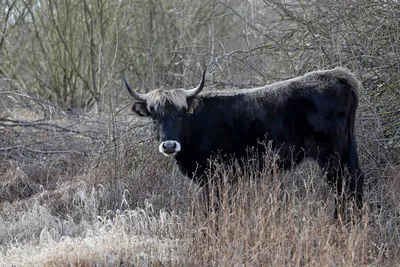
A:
{"x": 356, "y": 176}
{"x": 343, "y": 173}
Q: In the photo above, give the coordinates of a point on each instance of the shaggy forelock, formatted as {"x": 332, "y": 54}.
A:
{"x": 158, "y": 98}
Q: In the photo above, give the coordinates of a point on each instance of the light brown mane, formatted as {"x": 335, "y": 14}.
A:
{"x": 158, "y": 98}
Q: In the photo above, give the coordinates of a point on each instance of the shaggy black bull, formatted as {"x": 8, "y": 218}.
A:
{"x": 309, "y": 116}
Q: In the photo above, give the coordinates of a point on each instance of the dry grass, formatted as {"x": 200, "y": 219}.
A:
{"x": 130, "y": 237}
{"x": 110, "y": 199}
{"x": 288, "y": 222}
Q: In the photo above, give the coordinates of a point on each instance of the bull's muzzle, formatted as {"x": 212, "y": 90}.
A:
{"x": 169, "y": 147}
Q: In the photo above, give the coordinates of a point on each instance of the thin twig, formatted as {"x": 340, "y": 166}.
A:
{"x": 15, "y": 123}
{"x": 8, "y": 149}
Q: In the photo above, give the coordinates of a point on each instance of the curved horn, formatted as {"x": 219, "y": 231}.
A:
{"x": 135, "y": 95}
{"x": 195, "y": 91}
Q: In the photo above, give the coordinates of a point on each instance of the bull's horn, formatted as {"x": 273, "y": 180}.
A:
{"x": 137, "y": 96}
{"x": 195, "y": 91}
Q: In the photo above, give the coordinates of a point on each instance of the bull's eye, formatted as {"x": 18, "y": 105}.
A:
{"x": 143, "y": 113}
{"x": 190, "y": 110}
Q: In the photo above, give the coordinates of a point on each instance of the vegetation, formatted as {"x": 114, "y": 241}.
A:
{"x": 82, "y": 183}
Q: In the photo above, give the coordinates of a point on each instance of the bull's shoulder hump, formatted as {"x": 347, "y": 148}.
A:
{"x": 344, "y": 75}
{"x": 338, "y": 73}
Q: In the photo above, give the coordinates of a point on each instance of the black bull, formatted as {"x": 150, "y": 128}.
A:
{"x": 309, "y": 116}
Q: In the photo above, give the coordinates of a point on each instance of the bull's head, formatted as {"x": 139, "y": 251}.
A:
{"x": 170, "y": 111}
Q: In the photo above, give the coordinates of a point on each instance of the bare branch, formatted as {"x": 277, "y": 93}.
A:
{"x": 15, "y": 123}
{"x": 20, "y": 147}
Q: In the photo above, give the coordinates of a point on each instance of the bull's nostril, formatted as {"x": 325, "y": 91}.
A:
{"x": 169, "y": 147}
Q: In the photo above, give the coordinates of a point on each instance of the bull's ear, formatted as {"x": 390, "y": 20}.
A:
{"x": 140, "y": 108}
{"x": 194, "y": 104}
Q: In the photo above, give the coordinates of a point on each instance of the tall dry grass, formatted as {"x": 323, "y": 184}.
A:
{"x": 286, "y": 220}
{"x": 123, "y": 204}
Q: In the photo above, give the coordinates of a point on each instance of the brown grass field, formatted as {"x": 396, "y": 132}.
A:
{"x": 88, "y": 190}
